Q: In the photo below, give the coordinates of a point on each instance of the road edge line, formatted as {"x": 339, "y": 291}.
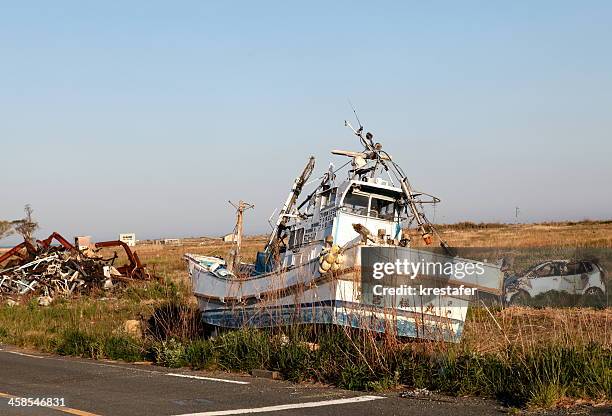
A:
{"x": 278, "y": 408}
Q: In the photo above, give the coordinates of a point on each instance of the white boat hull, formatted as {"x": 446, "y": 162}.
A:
{"x": 300, "y": 295}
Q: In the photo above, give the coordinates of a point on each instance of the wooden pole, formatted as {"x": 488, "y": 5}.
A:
{"x": 234, "y": 260}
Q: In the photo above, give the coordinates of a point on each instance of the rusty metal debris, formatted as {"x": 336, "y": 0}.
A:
{"x": 49, "y": 270}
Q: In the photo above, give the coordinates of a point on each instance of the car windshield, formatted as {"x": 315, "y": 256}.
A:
{"x": 545, "y": 270}
{"x": 571, "y": 269}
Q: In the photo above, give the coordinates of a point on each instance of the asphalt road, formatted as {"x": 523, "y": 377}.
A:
{"x": 90, "y": 387}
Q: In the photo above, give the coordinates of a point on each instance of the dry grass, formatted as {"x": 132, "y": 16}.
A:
{"x": 528, "y": 328}
{"x": 520, "y": 326}
{"x": 582, "y": 234}
{"x": 525, "y": 327}
{"x": 168, "y": 260}
{"x": 498, "y": 346}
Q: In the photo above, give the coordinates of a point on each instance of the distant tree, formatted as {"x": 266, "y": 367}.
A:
{"x": 6, "y": 228}
{"x": 26, "y": 226}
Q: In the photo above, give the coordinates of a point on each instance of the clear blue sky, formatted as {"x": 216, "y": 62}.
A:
{"x": 148, "y": 116}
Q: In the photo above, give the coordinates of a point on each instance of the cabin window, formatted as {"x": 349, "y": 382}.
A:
{"x": 357, "y": 204}
{"x": 299, "y": 237}
{"x": 331, "y": 199}
{"x": 382, "y": 208}
{"x": 292, "y": 239}
{"x": 324, "y": 200}
{"x": 372, "y": 202}
{"x": 328, "y": 198}
{"x": 296, "y": 238}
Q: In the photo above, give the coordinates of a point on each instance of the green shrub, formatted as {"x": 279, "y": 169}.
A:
{"x": 355, "y": 377}
{"x": 123, "y": 348}
{"x": 538, "y": 377}
{"x": 200, "y": 354}
{"x": 76, "y": 342}
{"x": 293, "y": 360}
{"x": 170, "y": 353}
{"x": 244, "y": 350}
{"x": 546, "y": 395}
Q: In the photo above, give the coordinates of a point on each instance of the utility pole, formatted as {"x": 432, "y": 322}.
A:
{"x": 234, "y": 260}
{"x": 517, "y": 211}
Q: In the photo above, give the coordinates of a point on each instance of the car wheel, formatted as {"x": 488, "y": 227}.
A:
{"x": 594, "y": 297}
{"x": 594, "y": 291}
{"x": 520, "y": 298}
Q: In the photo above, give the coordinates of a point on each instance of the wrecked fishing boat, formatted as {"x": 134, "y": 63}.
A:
{"x": 317, "y": 264}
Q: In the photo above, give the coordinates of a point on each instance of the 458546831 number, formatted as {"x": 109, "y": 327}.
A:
{"x": 36, "y": 401}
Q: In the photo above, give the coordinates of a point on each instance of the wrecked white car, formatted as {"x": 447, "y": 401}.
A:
{"x": 581, "y": 277}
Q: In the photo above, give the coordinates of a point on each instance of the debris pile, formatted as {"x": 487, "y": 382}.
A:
{"x": 415, "y": 393}
{"x": 50, "y": 270}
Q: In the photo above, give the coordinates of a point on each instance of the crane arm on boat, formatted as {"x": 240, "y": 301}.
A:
{"x": 281, "y": 221}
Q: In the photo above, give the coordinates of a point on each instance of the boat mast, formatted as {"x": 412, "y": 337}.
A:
{"x": 374, "y": 151}
{"x": 285, "y": 212}
{"x": 234, "y": 257}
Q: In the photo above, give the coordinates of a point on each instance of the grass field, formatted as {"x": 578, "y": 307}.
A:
{"x": 522, "y": 356}
{"x": 167, "y": 260}
{"x": 573, "y": 234}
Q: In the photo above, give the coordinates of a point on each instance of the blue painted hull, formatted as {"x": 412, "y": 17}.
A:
{"x": 335, "y": 312}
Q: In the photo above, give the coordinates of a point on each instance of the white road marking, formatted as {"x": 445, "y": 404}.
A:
{"x": 207, "y": 378}
{"x": 22, "y": 354}
{"x": 278, "y": 408}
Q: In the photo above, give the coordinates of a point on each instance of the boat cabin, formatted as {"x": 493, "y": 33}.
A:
{"x": 333, "y": 211}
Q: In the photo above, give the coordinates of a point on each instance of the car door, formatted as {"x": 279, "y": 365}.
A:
{"x": 544, "y": 278}
{"x": 585, "y": 271}
{"x": 570, "y": 278}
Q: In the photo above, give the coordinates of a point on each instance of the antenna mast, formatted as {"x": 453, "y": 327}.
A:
{"x": 374, "y": 150}
{"x": 356, "y": 116}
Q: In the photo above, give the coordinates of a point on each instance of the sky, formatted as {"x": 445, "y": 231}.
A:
{"x": 148, "y": 116}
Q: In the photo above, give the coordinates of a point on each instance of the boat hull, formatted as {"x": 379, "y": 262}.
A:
{"x": 302, "y": 295}
{"x": 337, "y": 312}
